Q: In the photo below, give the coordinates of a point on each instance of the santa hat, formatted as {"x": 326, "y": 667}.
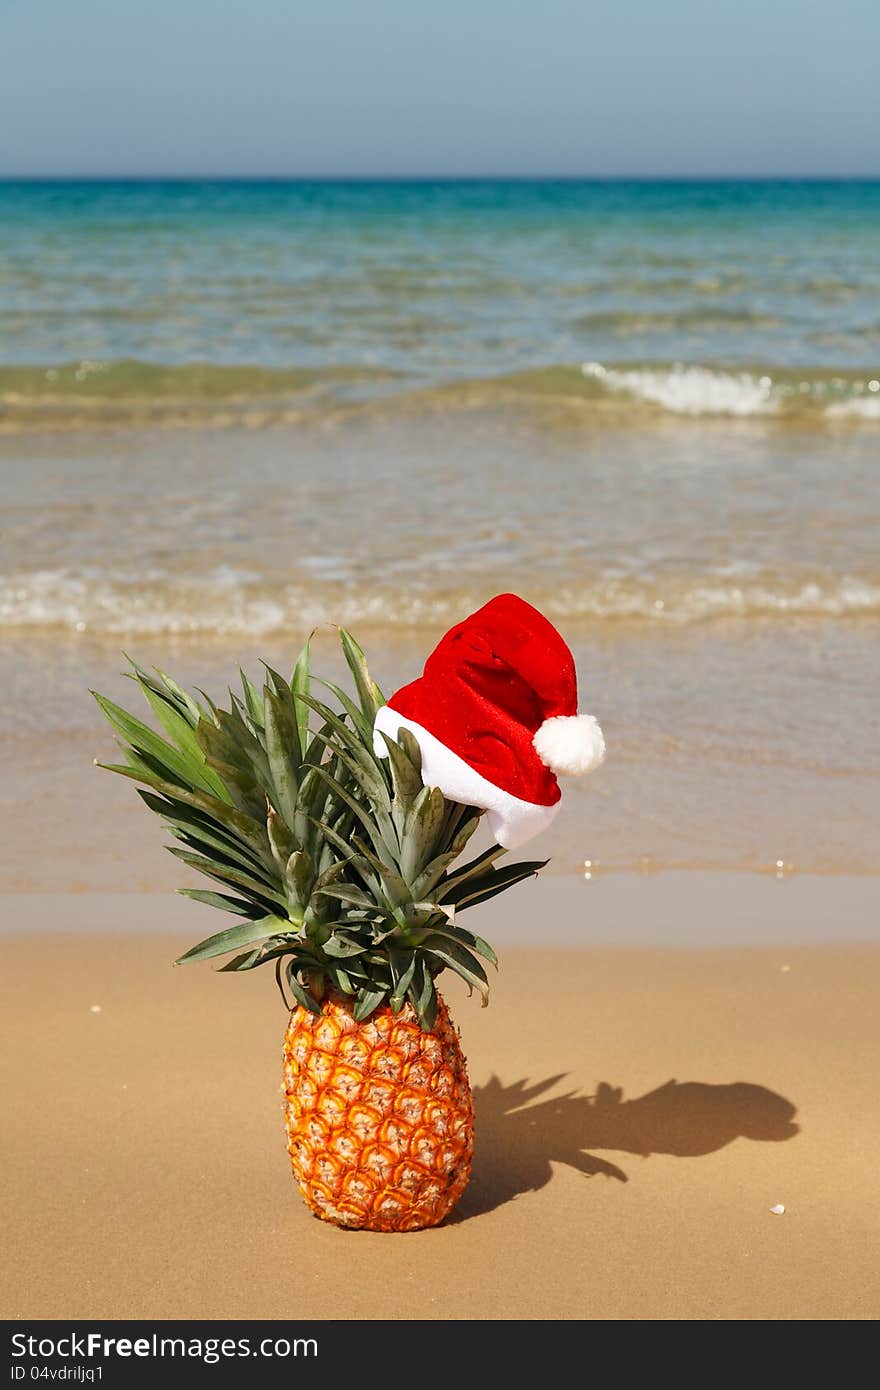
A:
{"x": 495, "y": 716}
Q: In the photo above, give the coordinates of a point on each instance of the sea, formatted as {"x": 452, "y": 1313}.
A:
{"x": 231, "y": 412}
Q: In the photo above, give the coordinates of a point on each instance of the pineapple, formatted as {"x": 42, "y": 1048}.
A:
{"x": 341, "y": 868}
{"x": 380, "y": 1123}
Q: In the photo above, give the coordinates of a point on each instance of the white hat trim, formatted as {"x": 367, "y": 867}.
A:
{"x": 570, "y": 743}
{"x": 511, "y": 820}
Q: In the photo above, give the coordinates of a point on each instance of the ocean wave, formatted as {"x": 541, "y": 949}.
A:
{"x": 860, "y": 407}
{"x": 224, "y": 602}
{"x": 699, "y": 317}
{"x": 691, "y": 390}
{"x": 697, "y": 390}
{"x": 95, "y": 394}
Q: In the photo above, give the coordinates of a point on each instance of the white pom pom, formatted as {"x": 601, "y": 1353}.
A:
{"x": 571, "y": 743}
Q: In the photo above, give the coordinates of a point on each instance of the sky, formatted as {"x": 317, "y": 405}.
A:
{"x": 470, "y": 87}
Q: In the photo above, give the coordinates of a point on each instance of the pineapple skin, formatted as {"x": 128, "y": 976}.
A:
{"x": 379, "y": 1115}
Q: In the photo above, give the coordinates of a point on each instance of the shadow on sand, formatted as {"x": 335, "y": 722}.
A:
{"x": 518, "y": 1140}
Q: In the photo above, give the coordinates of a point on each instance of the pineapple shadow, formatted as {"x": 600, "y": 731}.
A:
{"x": 518, "y": 1141}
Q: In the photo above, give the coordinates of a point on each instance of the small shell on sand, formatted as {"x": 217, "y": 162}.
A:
{"x": 94, "y": 1008}
{"x": 778, "y": 1209}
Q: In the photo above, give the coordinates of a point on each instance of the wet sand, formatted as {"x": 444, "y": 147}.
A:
{"x": 728, "y": 748}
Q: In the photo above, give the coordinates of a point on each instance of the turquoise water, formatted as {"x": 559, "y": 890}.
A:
{"x": 440, "y": 281}
{"x": 235, "y": 407}
{"x": 229, "y": 412}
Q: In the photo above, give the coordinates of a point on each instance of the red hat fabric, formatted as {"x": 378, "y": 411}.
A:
{"x": 495, "y": 715}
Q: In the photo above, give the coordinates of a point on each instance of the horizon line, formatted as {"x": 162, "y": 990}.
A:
{"x": 437, "y": 178}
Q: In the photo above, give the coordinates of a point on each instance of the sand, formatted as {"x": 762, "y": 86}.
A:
{"x": 639, "y": 1111}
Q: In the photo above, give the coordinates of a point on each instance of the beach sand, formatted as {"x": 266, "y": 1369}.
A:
{"x": 639, "y": 1112}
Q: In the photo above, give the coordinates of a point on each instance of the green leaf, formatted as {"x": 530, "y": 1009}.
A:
{"x": 305, "y": 818}
{"x": 233, "y": 877}
{"x": 339, "y": 945}
{"x": 341, "y": 978}
{"x": 300, "y": 876}
{"x": 347, "y": 738}
{"x": 245, "y": 794}
{"x": 348, "y": 893}
{"x": 369, "y": 694}
{"x": 423, "y": 995}
{"x": 234, "y": 938}
{"x": 329, "y": 875}
{"x": 279, "y": 982}
{"x": 181, "y": 731}
{"x": 179, "y": 817}
{"x": 176, "y": 692}
{"x": 373, "y": 787}
{"x": 364, "y": 771}
{"x": 459, "y": 959}
{"x": 212, "y": 708}
{"x": 455, "y": 933}
{"x": 368, "y": 1000}
{"x": 237, "y": 756}
{"x": 433, "y": 872}
{"x": 176, "y": 766}
{"x": 214, "y": 849}
{"x": 276, "y": 682}
{"x": 243, "y": 748}
{"x": 456, "y": 813}
{"x": 497, "y": 881}
{"x": 477, "y": 943}
{"x": 228, "y": 817}
{"x": 263, "y": 955}
{"x": 355, "y": 967}
{"x": 394, "y": 890}
{"x": 447, "y": 886}
{"x": 282, "y": 691}
{"x": 425, "y": 905}
{"x": 300, "y": 683}
{"x": 380, "y": 971}
{"x": 317, "y": 748}
{"x": 302, "y": 996}
{"x": 316, "y": 924}
{"x": 240, "y": 906}
{"x": 166, "y": 689}
{"x": 352, "y": 709}
{"x": 228, "y": 741}
{"x": 282, "y": 747}
{"x": 248, "y": 960}
{"x": 422, "y": 827}
{"x": 280, "y": 838}
{"x": 406, "y": 769}
{"x": 398, "y": 994}
{"x": 253, "y": 701}
{"x": 367, "y": 821}
{"x": 360, "y": 863}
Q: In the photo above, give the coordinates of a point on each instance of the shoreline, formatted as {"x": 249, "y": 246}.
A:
{"x": 685, "y": 909}
{"x": 730, "y": 748}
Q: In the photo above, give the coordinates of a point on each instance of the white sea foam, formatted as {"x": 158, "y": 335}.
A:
{"x": 859, "y": 408}
{"x": 690, "y": 390}
{"x": 694, "y": 390}
{"x": 221, "y": 605}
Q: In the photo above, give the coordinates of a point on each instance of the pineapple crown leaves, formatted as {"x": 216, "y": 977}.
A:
{"x": 341, "y": 865}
